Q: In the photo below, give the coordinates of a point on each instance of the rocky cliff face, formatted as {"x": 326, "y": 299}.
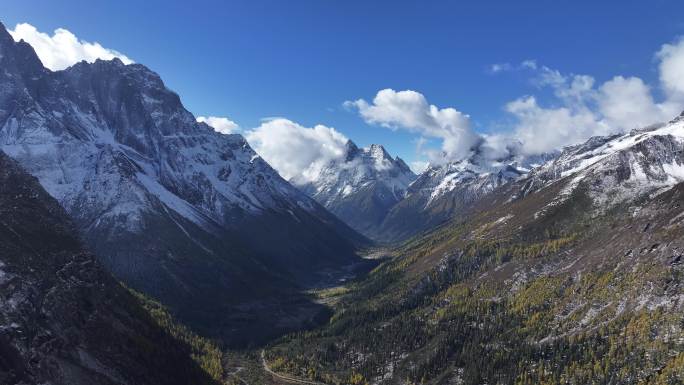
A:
{"x": 63, "y": 319}
{"x": 172, "y": 208}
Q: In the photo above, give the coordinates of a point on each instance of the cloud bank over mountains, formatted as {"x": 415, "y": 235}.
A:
{"x": 580, "y": 108}
{"x": 583, "y": 109}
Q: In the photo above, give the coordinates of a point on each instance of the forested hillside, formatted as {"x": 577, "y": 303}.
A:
{"x": 548, "y": 281}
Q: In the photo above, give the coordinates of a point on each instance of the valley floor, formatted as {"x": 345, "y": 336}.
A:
{"x": 251, "y": 367}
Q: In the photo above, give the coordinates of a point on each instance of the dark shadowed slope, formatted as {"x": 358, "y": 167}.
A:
{"x": 63, "y": 320}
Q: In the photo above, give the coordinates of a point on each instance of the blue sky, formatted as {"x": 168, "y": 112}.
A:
{"x": 302, "y": 60}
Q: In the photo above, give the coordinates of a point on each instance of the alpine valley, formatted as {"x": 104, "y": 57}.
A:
{"x": 139, "y": 246}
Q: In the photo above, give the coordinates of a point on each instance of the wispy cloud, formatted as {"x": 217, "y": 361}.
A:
{"x": 529, "y": 64}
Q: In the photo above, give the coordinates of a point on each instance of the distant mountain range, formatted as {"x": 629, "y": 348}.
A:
{"x": 380, "y": 197}
{"x": 443, "y": 192}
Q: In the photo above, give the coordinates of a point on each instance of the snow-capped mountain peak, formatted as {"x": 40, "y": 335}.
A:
{"x": 361, "y": 185}
{"x": 476, "y": 174}
{"x": 359, "y": 168}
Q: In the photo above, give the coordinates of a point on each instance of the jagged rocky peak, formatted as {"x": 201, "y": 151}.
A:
{"x": 131, "y": 100}
{"x": 377, "y": 151}
{"x": 384, "y": 161}
{"x": 400, "y": 162}
{"x": 19, "y": 52}
{"x": 358, "y": 169}
{"x": 351, "y": 150}
{"x": 360, "y": 186}
{"x": 22, "y": 73}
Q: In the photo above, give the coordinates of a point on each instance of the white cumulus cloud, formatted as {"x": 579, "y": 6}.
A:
{"x": 542, "y": 129}
{"x": 219, "y": 124}
{"x": 295, "y": 151}
{"x": 671, "y": 69}
{"x": 63, "y": 48}
{"x": 410, "y": 110}
{"x": 627, "y": 103}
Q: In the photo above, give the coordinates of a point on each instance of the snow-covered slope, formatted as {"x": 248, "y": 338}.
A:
{"x": 611, "y": 170}
{"x": 361, "y": 187}
{"x": 618, "y": 168}
{"x": 443, "y": 191}
{"x": 93, "y": 120}
{"x": 470, "y": 175}
{"x": 171, "y": 206}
